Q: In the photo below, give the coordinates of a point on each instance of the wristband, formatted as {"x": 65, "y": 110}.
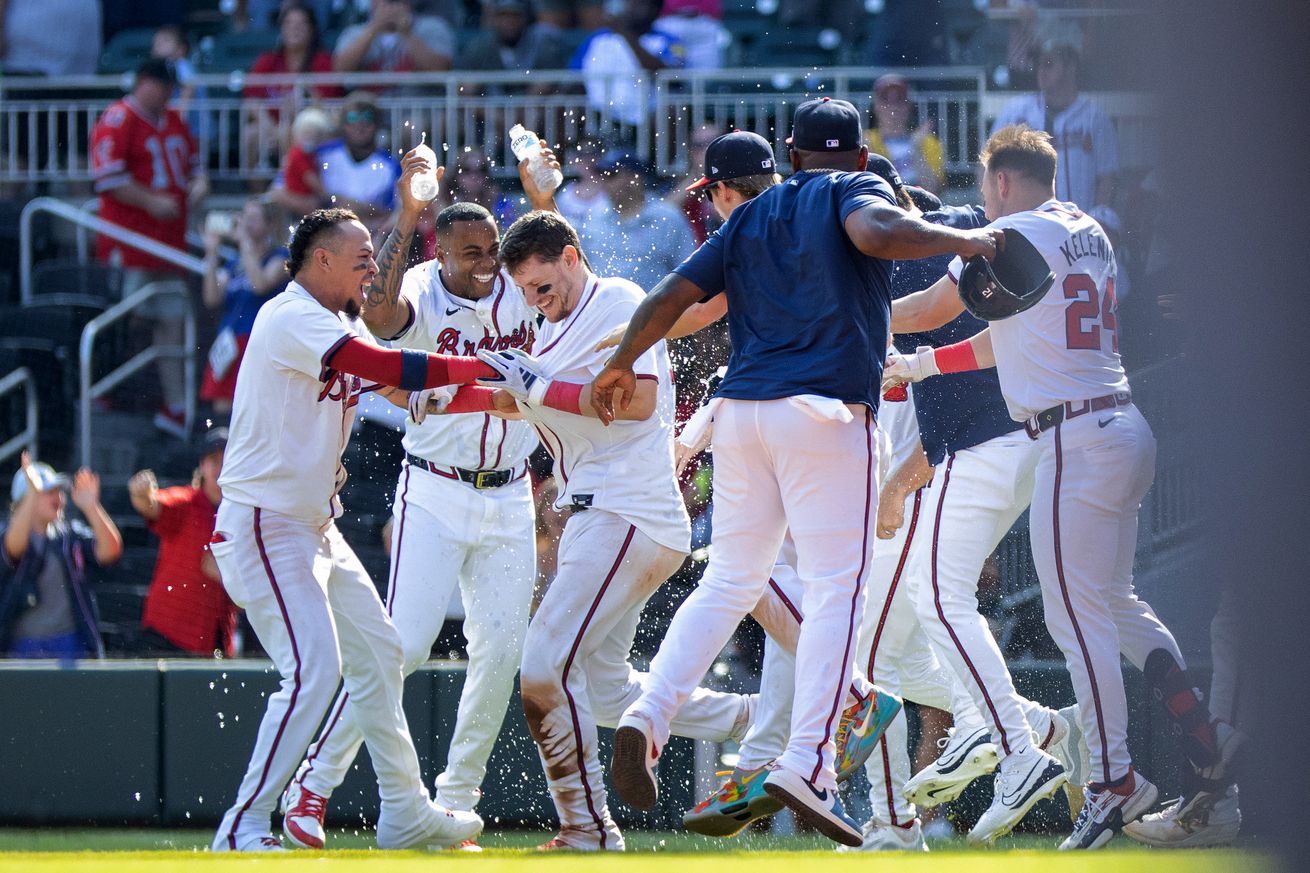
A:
{"x": 956, "y": 358}
{"x": 472, "y": 398}
{"x": 564, "y": 396}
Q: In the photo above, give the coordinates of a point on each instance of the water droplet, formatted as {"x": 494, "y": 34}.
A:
{"x": 137, "y": 795}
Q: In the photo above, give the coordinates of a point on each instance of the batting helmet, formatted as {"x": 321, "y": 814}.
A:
{"x": 1015, "y": 281}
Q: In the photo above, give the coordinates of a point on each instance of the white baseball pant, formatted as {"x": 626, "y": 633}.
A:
{"x": 1090, "y": 482}
{"x": 446, "y": 534}
{"x": 576, "y": 674}
{"x": 1225, "y": 636}
{"x": 319, "y": 618}
{"x": 777, "y": 468}
{"x": 974, "y": 499}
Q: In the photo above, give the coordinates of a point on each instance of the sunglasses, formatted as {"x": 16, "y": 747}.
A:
{"x": 364, "y": 116}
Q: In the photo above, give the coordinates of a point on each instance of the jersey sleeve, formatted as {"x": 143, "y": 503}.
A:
{"x": 704, "y": 267}
{"x": 411, "y": 293}
{"x": 304, "y": 336}
{"x": 860, "y": 190}
{"x": 109, "y": 146}
{"x": 172, "y": 511}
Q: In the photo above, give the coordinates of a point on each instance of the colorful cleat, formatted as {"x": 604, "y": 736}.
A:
{"x": 862, "y": 725}
{"x": 730, "y": 810}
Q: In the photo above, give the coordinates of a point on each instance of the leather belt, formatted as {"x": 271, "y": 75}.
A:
{"x": 479, "y": 479}
{"x": 1049, "y": 418}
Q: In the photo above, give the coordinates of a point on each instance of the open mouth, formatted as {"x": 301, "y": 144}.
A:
{"x": 484, "y": 278}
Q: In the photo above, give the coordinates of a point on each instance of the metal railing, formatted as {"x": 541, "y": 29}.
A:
{"x": 21, "y": 378}
{"x": 44, "y": 131}
{"x": 91, "y": 390}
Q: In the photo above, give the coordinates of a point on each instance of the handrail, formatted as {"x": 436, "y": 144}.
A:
{"x": 27, "y": 439}
{"x": 58, "y": 207}
{"x": 187, "y": 351}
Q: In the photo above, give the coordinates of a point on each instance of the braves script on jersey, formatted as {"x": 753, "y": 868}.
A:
{"x": 1067, "y": 346}
{"x": 291, "y": 416}
{"x": 626, "y": 468}
{"x": 128, "y": 146}
{"x": 449, "y": 325}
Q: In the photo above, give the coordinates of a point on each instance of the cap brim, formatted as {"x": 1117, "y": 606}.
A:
{"x": 699, "y": 183}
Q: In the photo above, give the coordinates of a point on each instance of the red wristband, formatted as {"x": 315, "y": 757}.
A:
{"x": 956, "y": 358}
{"x": 472, "y": 398}
{"x": 564, "y": 396}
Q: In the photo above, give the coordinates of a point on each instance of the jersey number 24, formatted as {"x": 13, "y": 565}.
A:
{"x": 1090, "y": 313}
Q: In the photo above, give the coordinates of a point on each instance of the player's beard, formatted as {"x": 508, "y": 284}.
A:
{"x": 351, "y": 308}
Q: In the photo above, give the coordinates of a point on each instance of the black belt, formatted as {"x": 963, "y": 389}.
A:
{"x": 1049, "y": 418}
{"x": 479, "y": 479}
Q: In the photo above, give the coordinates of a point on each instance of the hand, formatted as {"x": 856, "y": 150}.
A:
{"x": 86, "y": 490}
{"x": 410, "y": 166}
{"x": 503, "y": 401}
{"x": 987, "y": 242}
{"x": 891, "y": 515}
{"x": 162, "y": 206}
{"x": 212, "y": 243}
{"x": 682, "y": 456}
{"x": 429, "y": 401}
{"x": 900, "y": 369}
{"x": 535, "y": 195}
{"x": 142, "y": 487}
{"x": 197, "y": 190}
{"x": 519, "y": 374}
{"x": 613, "y": 383}
{"x": 25, "y": 464}
{"x": 611, "y": 339}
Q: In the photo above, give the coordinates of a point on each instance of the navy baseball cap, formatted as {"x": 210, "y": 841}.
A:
{"x": 826, "y": 125}
{"x": 733, "y": 155}
{"x": 881, "y": 166}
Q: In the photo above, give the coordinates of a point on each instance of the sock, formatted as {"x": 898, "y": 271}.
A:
{"x": 1191, "y": 722}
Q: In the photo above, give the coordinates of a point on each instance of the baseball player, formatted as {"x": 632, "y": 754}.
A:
{"x": 805, "y": 269}
{"x": 463, "y": 507}
{"x": 1060, "y": 374}
{"x": 627, "y": 534}
{"x": 278, "y": 549}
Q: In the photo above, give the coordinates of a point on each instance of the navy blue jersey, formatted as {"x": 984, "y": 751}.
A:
{"x": 807, "y": 312}
{"x": 956, "y": 410}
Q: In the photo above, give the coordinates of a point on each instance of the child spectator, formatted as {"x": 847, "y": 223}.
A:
{"x": 299, "y": 186}
{"x": 187, "y": 610}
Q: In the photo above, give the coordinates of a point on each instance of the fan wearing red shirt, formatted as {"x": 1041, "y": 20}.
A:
{"x": 187, "y": 609}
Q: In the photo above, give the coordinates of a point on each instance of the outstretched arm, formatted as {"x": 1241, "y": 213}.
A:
{"x": 887, "y": 232}
{"x": 934, "y": 306}
{"x": 384, "y": 312}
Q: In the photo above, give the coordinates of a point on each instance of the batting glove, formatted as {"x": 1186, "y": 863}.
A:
{"x": 900, "y": 369}
{"x": 519, "y": 374}
{"x": 428, "y": 401}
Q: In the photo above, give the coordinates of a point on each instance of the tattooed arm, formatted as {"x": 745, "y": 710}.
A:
{"x": 385, "y": 314}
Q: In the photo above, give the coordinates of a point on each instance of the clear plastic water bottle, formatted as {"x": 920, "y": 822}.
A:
{"x": 526, "y": 144}
{"x": 424, "y": 186}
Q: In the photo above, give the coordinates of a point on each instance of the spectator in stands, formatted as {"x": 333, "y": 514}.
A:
{"x": 583, "y": 200}
{"x": 1084, "y": 136}
{"x": 148, "y": 173}
{"x": 642, "y": 238}
{"x": 267, "y": 14}
{"x": 472, "y": 183}
{"x": 356, "y": 173}
{"x": 49, "y": 37}
{"x": 395, "y": 39}
{"x": 917, "y": 153}
{"x": 511, "y": 40}
{"x": 561, "y": 15}
{"x": 699, "y": 24}
{"x": 186, "y": 610}
{"x": 47, "y": 609}
{"x": 170, "y": 44}
{"x": 695, "y": 205}
{"x": 239, "y": 285}
{"x": 298, "y": 187}
{"x": 614, "y": 57}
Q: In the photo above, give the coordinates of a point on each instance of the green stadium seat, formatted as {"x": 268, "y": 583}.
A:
{"x": 794, "y": 47}
{"x": 233, "y": 52}
{"x": 125, "y": 52}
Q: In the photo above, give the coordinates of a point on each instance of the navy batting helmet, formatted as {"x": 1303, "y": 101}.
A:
{"x": 1016, "y": 280}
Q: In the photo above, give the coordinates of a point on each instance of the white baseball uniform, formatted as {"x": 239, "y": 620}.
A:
{"x": 282, "y": 559}
{"x": 628, "y": 533}
{"x": 448, "y": 531}
{"x": 1060, "y": 373}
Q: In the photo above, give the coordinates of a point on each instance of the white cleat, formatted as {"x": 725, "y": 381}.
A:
{"x": 632, "y": 766}
{"x": 1106, "y": 813}
{"x": 819, "y": 808}
{"x": 255, "y": 842}
{"x": 436, "y": 828}
{"x": 1202, "y": 819}
{"x": 1070, "y": 748}
{"x": 1024, "y": 778}
{"x": 965, "y": 756}
{"x": 883, "y": 837}
{"x": 302, "y": 816}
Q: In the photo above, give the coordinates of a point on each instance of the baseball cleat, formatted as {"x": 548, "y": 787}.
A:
{"x": 1202, "y": 819}
{"x": 576, "y": 839}
{"x": 1024, "y": 778}
{"x": 302, "y": 816}
{"x": 436, "y": 828}
{"x": 632, "y": 768}
{"x": 258, "y": 842}
{"x": 965, "y": 756}
{"x": 883, "y": 837}
{"x": 730, "y": 810}
{"x": 1228, "y": 739}
{"x": 862, "y": 724}
{"x": 1106, "y": 812}
{"x": 819, "y": 808}
{"x": 467, "y": 846}
{"x": 1070, "y": 749}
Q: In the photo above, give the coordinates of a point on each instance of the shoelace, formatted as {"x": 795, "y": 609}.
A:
{"x": 310, "y": 804}
{"x": 1095, "y": 805}
{"x": 269, "y": 841}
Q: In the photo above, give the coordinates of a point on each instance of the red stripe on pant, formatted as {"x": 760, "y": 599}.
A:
{"x": 887, "y": 779}
{"x": 851, "y": 620}
{"x": 403, "y": 500}
{"x": 941, "y": 614}
{"x": 327, "y": 732}
{"x": 896, "y": 580}
{"x": 1068, "y": 606}
{"x": 568, "y": 695}
{"x": 295, "y": 691}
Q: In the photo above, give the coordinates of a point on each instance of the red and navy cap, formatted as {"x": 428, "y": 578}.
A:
{"x": 826, "y": 125}
{"x": 733, "y": 155}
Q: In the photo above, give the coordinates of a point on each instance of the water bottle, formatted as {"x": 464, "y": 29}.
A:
{"x": 424, "y": 186}
{"x": 526, "y": 144}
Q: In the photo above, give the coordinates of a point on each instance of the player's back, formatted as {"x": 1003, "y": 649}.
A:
{"x": 1066, "y": 348}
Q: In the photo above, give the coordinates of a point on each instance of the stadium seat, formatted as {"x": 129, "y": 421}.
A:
{"x": 125, "y": 52}
{"x": 795, "y": 47}
{"x": 235, "y": 52}
{"x": 74, "y": 282}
